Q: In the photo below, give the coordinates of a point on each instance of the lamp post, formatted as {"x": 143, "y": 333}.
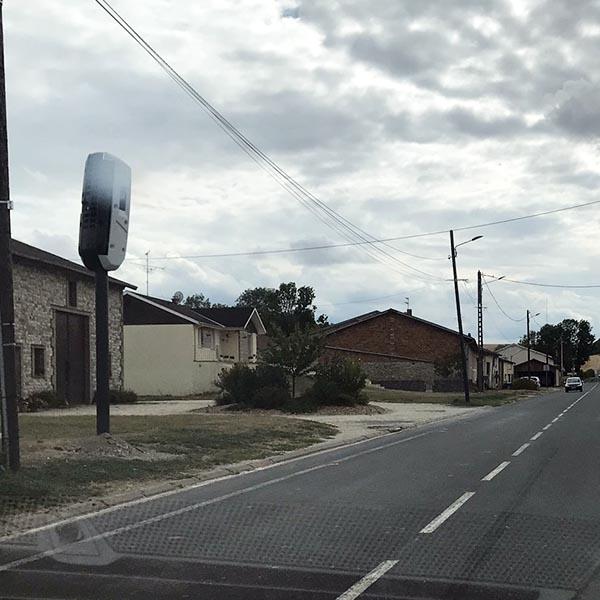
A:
{"x": 463, "y": 353}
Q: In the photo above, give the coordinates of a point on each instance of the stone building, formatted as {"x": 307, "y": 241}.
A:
{"x": 55, "y": 325}
{"x": 400, "y": 350}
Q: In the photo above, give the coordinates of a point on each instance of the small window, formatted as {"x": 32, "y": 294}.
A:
{"x": 72, "y": 293}
{"x": 38, "y": 361}
{"x": 207, "y": 339}
{"x": 123, "y": 199}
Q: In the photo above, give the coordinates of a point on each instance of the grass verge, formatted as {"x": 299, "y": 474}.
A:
{"x": 489, "y": 398}
{"x": 53, "y": 474}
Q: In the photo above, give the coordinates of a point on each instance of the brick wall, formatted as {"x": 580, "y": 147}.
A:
{"x": 40, "y": 291}
{"x": 398, "y": 335}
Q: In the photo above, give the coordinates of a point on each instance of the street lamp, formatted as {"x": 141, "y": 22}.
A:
{"x": 529, "y": 345}
{"x": 463, "y": 352}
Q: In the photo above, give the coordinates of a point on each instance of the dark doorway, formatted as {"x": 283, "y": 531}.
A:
{"x": 72, "y": 357}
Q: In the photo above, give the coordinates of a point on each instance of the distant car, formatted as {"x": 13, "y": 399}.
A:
{"x": 536, "y": 380}
{"x": 573, "y": 383}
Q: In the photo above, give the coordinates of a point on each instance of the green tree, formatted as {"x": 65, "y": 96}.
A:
{"x": 284, "y": 308}
{"x": 295, "y": 351}
{"x": 577, "y": 342}
{"x": 198, "y": 301}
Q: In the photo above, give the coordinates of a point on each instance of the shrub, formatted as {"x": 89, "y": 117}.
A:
{"x": 588, "y": 374}
{"x": 340, "y": 382}
{"x": 122, "y": 397}
{"x": 524, "y": 384}
{"x": 270, "y": 396}
{"x": 237, "y": 384}
{"x": 306, "y": 403}
{"x": 264, "y": 387}
{"x": 43, "y": 400}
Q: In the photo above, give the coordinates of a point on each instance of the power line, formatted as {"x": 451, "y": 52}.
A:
{"x": 498, "y": 304}
{"x": 330, "y": 217}
{"x": 550, "y": 285}
{"x": 364, "y": 300}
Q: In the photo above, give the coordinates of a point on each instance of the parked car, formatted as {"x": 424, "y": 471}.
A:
{"x": 573, "y": 383}
{"x": 536, "y": 380}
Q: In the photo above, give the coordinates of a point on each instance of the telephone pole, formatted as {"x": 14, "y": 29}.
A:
{"x": 7, "y": 308}
{"x": 528, "y": 349}
{"x": 479, "y": 333}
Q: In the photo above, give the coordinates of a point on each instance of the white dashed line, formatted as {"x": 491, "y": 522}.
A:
{"x": 536, "y": 436}
{"x": 547, "y": 427}
{"x": 555, "y": 419}
{"x": 520, "y": 450}
{"x": 368, "y": 580}
{"x": 495, "y": 472}
{"x": 431, "y": 527}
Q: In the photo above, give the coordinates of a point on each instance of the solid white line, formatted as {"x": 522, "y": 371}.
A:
{"x": 546, "y": 427}
{"x": 495, "y": 472}
{"x": 180, "y": 511}
{"x": 536, "y": 436}
{"x": 431, "y": 527}
{"x": 367, "y": 581}
{"x": 205, "y": 483}
{"x": 520, "y": 450}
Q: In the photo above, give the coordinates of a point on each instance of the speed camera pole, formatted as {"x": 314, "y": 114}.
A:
{"x": 103, "y": 230}
{"x": 102, "y": 357}
{"x": 7, "y": 309}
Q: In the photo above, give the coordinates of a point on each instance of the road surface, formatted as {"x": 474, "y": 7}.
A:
{"x": 504, "y": 504}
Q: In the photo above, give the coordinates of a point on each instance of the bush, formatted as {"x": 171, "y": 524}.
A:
{"x": 122, "y": 397}
{"x": 270, "y": 396}
{"x": 524, "y": 384}
{"x": 340, "y": 382}
{"x": 43, "y": 400}
{"x": 306, "y": 403}
{"x": 263, "y": 387}
{"x": 588, "y": 374}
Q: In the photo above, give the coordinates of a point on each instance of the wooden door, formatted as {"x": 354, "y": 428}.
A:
{"x": 72, "y": 357}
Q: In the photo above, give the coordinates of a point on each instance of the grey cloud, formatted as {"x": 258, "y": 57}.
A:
{"x": 576, "y": 112}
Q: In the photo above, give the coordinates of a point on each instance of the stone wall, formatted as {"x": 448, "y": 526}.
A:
{"x": 40, "y": 291}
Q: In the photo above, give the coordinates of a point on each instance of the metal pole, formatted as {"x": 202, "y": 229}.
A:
{"x": 102, "y": 385}
{"x": 147, "y": 270}
{"x": 7, "y": 308}
{"x": 561, "y": 356}
{"x": 463, "y": 354}
{"x": 528, "y": 348}
{"x": 479, "y": 333}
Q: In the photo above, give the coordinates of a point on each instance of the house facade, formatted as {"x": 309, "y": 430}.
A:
{"x": 541, "y": 365}
{"x": 399, "y": 350}
{"x": 498, "y": 371}
{"x": 173, "y": 350}
{"x": 55, "y": 325}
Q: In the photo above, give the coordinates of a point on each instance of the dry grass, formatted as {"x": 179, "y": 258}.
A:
{"x": 489, "y": 398}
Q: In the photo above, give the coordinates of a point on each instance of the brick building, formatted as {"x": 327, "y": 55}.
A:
{"x": 400, "y": 350}
{"x": 55, "y": 325}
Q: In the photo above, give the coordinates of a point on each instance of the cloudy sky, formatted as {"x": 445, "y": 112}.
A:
{"x": 405, "y": 117}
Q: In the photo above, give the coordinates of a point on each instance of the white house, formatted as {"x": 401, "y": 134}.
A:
{"x": 170, "y": 349}
{"x": 542, "y": 365}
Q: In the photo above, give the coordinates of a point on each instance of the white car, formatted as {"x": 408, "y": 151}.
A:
{"x": 573, "y": 383}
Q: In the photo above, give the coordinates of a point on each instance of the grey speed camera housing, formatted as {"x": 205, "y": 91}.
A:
{"x": 105, "y": 204}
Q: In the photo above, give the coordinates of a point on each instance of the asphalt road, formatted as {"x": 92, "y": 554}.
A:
{"x": 501, "y": 505}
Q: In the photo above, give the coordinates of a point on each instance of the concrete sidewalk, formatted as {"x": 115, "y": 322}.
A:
{"x": 397, "y": 416}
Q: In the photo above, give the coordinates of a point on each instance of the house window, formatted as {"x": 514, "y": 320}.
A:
{"x": 38, "y": 361}
{"x": 72, "y": 293}
{"x": 206, "y": 338}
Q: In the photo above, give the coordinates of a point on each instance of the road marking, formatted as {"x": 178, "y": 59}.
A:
{"x": 368, "y": 580}
{"x": 495, "y": 472}
{"x": 536, "y": 436}
{"x": 180, "y": 511}
{"x": 555, "y": 419}
{"x": 520, "y": 450}
{"x": 206, "y": 483}
{"x": 431, "y": 527}
{"x": 547, "y": 427}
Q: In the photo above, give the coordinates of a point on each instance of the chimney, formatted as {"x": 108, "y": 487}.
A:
{"x": 409, "y": 312}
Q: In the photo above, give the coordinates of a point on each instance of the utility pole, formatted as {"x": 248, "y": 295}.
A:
{"x": 528, "y": 349}
{"x": 479, "y": 333}
{"x": 147, "y": 270}
{"x": 7, "y": 308}
{"x": 561, "y": 356}
{"x": 463, "y": 353}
